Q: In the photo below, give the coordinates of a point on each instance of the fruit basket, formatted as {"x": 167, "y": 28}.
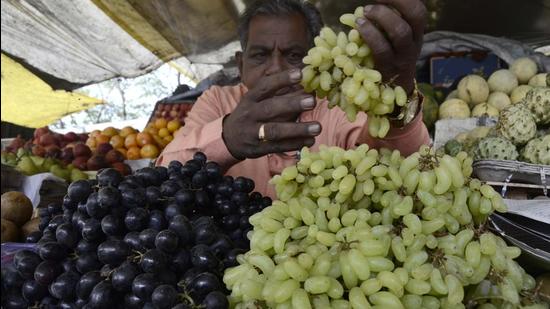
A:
{"x": 506, "y": 171}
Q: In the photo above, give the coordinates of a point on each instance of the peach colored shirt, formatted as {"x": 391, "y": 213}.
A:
{"x": 203, "y": 132}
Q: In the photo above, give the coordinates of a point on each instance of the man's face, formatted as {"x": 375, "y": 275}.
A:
{"x": 275, "y": 44}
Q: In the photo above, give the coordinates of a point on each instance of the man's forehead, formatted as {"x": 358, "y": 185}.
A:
{"x": 285, "y": 29}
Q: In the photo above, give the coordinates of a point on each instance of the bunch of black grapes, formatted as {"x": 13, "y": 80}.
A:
{"x": 160, "y": 238}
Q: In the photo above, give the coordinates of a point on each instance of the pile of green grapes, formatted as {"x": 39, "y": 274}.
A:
{"x": 340, "y": 67}
{"x": 372, "y": 229}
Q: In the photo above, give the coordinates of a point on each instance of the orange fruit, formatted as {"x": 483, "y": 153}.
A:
{"x": 123, "y": 151}
{"x": 152, "y": 131}
{"x": 144, "y": 138}
{"x": 159, "y": 141}
{"x": 117, "y": 141}
{"x": 109, "y": 131}
{"x": 130, "y": 140}
{"x": 173, "y": 125}
{"x": 149, "y": 151}
{"x": 102, "y": 139}
{"x": 168, "y": 138}
{"x": 127, "y": 131}
{"x": 133, "y": 153}
{"x": 95, "y": 133}
{"x": 164, "y": 132}
{"x": 160, "y": 123}
{"x": 91, "y": 142}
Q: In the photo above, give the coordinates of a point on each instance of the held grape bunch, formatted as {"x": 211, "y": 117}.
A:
{"x": 340, "y": 68}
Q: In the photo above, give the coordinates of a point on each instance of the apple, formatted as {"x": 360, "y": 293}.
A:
{"x": 67, "y": 155}
{"x": 80, "y": 163}
{"x": 53, "y": 151}
{"x": 38, "y": 151}
{"x": 104, "y": 148}
{"x": 40, "y": 131}
{"x": 47, "y": 139}
{"x": 70, "y": 137}
{"x": 82, "y": 150}
{"x": 96, "y": 163}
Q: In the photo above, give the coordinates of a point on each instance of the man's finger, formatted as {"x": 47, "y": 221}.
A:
{"x": 397, "y": 28}
{"x": 269, "y": 85}
{"x": 382, "y": 51}
{"x": 283, "y": 107}
{"x": 286, "y": 145}
{"x": 281, "y": 131}
{"x": 413, "y": 11}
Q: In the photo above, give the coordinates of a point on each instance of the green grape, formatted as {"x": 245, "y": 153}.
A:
{"x": 443, "y": 182}
{"x": 285, "y": 290}
{"x": 430, "y": 302}
{"x": 322, "y": 265}
{"x": 336, "y": 290}
{"x": 455, "y": 290}
{"x": 307, "y": 217}
{"x": 317, "y": 284}
{"x": 280, "y": 238}
{"x": 386, "y": 299}
{"x": 488, "y": 244}
{"x": 348, "y": 274}
{"x": 415, "y": 259}
{"x": 300, "y": 299}
{"x": 398, "y": 249}
{"x": 347, "y": 185}
{"x": 473, "y": 253}
{"x": 270, "y": 225}
{"x": 437, "y": 282}
{"x": 422, "y": 272}
{"x": 391, "y": 281}
{"x": 417, "y": 287}
{"x": 357, "y": 299}
{"x": 340, "y": 172}
{"x": 426, "y": 181}
{"x": 371, "y": 286}
{"x": 321, "y": 301}
{"x": 359, "y": 263}
{"x": 378, "y": 264}
{"x": 263, "y": 262}
{"x": 327, "y": 239}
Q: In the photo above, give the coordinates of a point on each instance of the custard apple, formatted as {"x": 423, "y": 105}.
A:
{"x": 538, "y": 101}
{"x": 517, "y": 124}
{"x": 537, "y": 151}
{"x": 495, "y": 148}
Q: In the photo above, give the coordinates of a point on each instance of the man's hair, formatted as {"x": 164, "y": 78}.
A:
{"x": 311, "y": 15}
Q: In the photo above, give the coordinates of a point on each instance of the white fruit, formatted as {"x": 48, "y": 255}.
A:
{"x": 499, "y": 100}
{"x": 538, "y": 80}
{"x": 503, "y": 81}
{"x": 473, "y": 89}
{"x": 519, "y": 93}
{"x": 484, "y": 109}
{"x": 452, "y": 95}
{"x": 454, "y": 108}
{"x": 524, "y": 68}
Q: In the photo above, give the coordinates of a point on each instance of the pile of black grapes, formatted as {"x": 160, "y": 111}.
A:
{"x": 160, "y": 238}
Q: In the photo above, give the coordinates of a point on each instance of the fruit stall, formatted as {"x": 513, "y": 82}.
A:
{"x": 89, "y": 221}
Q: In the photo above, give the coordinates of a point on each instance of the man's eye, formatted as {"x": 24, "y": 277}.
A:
{"x": 295, "y": 57}
{"x": 258, "y": 56}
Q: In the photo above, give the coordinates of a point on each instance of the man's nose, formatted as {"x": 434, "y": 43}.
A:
{"x": 276, "y": 64}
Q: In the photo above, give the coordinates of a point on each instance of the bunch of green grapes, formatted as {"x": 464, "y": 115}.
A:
{"x": 372, "y": 229}
{"x": 340, "y": 67}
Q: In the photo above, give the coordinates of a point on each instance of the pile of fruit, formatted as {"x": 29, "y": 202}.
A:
{"x": 16, "y": 217}
{"x": 476, "y": 97}
{"x": 340, "y": 68}
{"x": 371, "y": 229}
{"x": 132, "y": 144}
{"x": 521, "y": 133}
{"x": 160, "y": 238}
{"x": 172, "y": 111}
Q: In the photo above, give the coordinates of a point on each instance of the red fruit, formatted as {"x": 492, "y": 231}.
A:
{"x": 67, "y": 155}
{"x": 104, "y": 148}
{"x": 114, "y": 156}
{"x": 80, "y": 163}
{"x": 47, "y": 139}
{"x": 70, "y": 137}
{"x": 15, "y": 144}
{"x": 82, "y": 150}
{"x": 96, "y": 163}
{"x": 41, "y": 131}
{"x": 53, "y": 151}
{"x": 83, "y": 137}
{"x": 173, "y": 113}
{"x": 123, "y": 168}
{"x": 38, "y": 151}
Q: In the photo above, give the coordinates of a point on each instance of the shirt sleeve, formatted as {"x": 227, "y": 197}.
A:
{"x": 406, "y": 139}
{"x": 202, "y": 132}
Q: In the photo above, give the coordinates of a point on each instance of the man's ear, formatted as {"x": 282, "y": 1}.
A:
{"x": 239, "y": 59}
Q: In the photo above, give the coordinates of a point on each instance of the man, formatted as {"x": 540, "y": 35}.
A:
{"x": 255, "y": 129}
